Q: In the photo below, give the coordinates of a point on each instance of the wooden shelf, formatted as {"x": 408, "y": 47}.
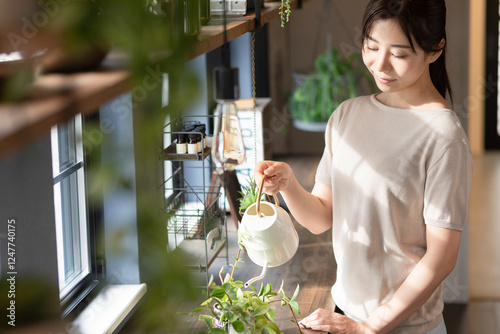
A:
{"x": 56, "y": 98}
{"x": 211, "y": 36}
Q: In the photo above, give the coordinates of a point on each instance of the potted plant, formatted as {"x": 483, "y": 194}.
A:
{"x": 231, "y": 309}
{"x": 334, "y": 80}
{"x": 248, "y": 194}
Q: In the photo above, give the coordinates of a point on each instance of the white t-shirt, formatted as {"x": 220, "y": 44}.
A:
{"x": 392, "y": 171}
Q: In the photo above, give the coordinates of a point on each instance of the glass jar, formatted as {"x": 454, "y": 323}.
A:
{"x": 181, "y": 144}
{"x": 192, "y": 21}
{"x": 204, "y": 12}
{"x": 192, "y": 146}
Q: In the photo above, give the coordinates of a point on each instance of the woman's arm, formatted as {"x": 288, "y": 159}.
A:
{"x": 312, "y": 210}
{"x": 432, "y": 269}
{"x": 438, "y": 262}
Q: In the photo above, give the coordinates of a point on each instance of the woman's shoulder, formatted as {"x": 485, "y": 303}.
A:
{"x": 356, "y": 101}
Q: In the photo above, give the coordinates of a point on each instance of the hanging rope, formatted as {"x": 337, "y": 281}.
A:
{"x": 254, "y": 101}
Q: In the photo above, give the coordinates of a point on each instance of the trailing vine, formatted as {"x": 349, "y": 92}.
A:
{"x": 285, "y": 11}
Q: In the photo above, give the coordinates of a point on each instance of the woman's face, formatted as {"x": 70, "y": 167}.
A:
{"x": 394, "y": 65}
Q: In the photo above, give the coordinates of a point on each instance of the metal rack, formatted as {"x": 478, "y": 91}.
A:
{"x": 193, "y": 205}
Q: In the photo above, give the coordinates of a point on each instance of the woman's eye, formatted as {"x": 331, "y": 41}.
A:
{"x": 371, "y": 49}
{"x": 399, "y": 57}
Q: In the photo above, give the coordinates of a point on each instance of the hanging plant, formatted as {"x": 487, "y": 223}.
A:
{"x": 285, "y": 11}
{"x": 334, "y": 80}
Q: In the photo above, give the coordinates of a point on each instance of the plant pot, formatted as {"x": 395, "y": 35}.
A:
{"x": 310, "y": 126}
{"x": 18, "y": 70}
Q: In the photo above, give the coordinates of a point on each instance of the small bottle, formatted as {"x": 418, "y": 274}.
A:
{"x": 202, "y": 129}
{"x": 199, "y": 142}
{"x": 181, "y": 144}
{"x": 192, "y": 145}
{"x": 204, "y": 12}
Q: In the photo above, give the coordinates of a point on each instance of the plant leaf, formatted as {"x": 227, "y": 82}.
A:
{"x": 260, "y": 323}
{"x": 238, "y": 326}
{"x": 261, "y": 309}
{"x": 218, "y": 293}
{"x": 210, "y": 282}
{"x": 295, "y": 293}
{"x": 268, "y": 289}
{"x": 261, "y": 290}
{"x": 281, "y": 286}
{"x": 274, "y": 327}
{"x": 271, "y": 314}
{"x": 206, "y": 302}
{"x": 295, "y": 307}
{"x": 197, "y": 310}
{"x": 208, "y": 320}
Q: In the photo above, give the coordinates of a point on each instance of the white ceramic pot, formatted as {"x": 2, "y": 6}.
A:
{"x": 268, "y": 235}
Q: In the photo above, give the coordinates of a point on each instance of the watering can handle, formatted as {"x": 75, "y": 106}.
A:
{"x": 259, "y": 195}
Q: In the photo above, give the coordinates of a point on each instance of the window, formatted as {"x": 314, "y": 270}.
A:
{"x": 73, "y": 233}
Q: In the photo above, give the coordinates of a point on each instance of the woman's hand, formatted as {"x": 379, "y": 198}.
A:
{"x": 277, "y": 176}
{"x": 327, "y": 321}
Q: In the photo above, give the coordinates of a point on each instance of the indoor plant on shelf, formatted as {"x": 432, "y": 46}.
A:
{"x": 334, "y": 80}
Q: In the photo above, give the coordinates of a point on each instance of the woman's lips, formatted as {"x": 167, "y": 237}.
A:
{"x": 383, "y": 80}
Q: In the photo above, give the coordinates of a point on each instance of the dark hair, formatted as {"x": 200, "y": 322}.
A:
{"x": 425, "y": 21}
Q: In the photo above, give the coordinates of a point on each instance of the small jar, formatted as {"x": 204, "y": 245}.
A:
{"x": 192, "y": 21}
{"x": 192, "y": 145}
{"x": 199, "y": 142}
{"x": 204, "y": 12}
{"x": 202, "y": 129}
{"x": 181, "y": 144}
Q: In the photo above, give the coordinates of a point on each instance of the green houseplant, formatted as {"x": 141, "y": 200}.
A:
{"x": 229, "y": 308}
{"x": 248, "y": 194}
{"x": 334, "y": 80}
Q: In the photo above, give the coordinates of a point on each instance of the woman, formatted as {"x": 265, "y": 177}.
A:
{"x": 393, "y": 182}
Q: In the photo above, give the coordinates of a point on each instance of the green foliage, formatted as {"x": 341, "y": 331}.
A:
{"x": 247, "y": 311}
{"x": 335, "y": 80}
{"x": 285, "y": 11}
{"x": 249, "y": 194}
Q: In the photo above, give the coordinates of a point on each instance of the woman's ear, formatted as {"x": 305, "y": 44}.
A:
{"x": 436, "y": 54}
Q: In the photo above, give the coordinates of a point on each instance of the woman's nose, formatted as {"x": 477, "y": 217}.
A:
{"x": 382, "y": 63}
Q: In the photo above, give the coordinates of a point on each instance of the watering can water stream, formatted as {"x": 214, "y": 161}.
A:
{"x": 268, "y": 234}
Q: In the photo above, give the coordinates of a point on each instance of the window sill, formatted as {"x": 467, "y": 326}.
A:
{"x": 109, "y": 309}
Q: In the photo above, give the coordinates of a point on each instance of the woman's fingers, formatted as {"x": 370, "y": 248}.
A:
{"x": 276, "y": 174}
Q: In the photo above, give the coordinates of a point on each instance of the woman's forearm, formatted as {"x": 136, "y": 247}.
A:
{"x": 311, "y": 210}
{"x": 424, "y": 279}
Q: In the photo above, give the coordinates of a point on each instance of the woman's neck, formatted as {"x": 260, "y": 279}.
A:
{"x": 419, "y": 99}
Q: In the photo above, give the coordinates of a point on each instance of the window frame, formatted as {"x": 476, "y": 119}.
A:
{"x": 88, "y": 283}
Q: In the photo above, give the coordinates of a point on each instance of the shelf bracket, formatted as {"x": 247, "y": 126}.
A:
{"x": 257, "y": 13}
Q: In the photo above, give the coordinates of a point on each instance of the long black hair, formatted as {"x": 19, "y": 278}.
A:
{"x": 422, "y": 21}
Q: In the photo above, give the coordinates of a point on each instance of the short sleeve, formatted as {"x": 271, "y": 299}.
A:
{"x": 324, "y": 170}
{"x": 448, "y": 187}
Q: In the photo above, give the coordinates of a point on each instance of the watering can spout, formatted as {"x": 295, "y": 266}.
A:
{"x": 256, "y": 278}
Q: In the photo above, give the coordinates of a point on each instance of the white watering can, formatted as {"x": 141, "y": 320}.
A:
{"x": 268, "y": 234}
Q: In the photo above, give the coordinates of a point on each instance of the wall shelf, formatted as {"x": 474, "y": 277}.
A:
{"x": 211, "y": 36}
{"x": 55, "y": 98}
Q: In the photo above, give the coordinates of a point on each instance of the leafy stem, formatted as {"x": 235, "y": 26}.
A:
{"x": 285, "y": 11}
